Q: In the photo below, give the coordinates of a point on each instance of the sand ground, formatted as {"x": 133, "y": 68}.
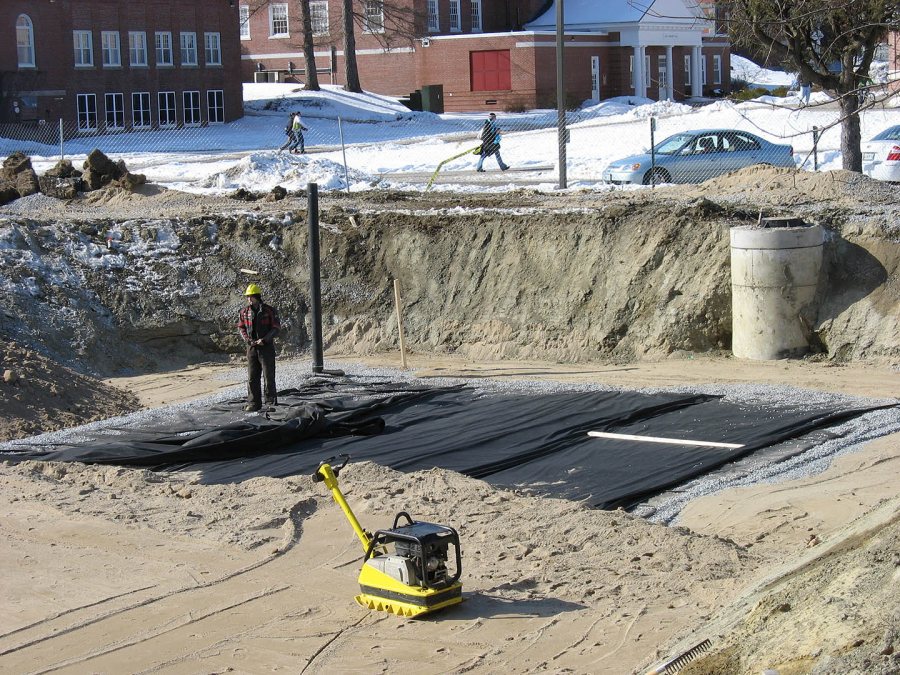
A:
{"x": 102, "y": 576}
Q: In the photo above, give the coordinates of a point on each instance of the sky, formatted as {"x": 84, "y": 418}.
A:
{"x": 382, "y": 140}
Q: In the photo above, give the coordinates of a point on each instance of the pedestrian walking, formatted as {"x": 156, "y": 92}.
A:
{"x": 490, "y": 143}
{"x": 258, "y": 324}
{"x": 289, "y": 132}
{"x": 805, "y": 90}
{"x": 298, "y": 129}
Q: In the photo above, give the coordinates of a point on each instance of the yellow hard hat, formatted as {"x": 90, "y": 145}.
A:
{"x": 253, "y": 289}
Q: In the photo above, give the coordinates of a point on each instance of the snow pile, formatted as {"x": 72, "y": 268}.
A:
{"x": 757, "y": 76}
{"x": 262, "y": 171}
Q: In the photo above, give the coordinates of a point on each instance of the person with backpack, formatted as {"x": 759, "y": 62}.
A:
{"x": 490, "y": 143}
{"x": 289, "y": 132}
{"x": 297, "y": 129}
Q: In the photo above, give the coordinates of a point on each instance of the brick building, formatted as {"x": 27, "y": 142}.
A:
{"x": 488, "y": 54}
{"x": 110, "y": 65}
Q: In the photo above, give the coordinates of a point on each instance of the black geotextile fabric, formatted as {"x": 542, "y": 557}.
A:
{"x": 535, "y": 440}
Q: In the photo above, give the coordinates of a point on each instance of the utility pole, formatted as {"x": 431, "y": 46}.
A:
{"x": 561, "y": 94}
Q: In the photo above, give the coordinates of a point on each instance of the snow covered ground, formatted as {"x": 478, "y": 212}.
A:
{"x": 382, "y": 140}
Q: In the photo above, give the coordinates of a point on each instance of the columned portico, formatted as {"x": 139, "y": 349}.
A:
{"x": 670, "y": 74}
{"x": 640, "y": 87}
{"x": 696, "y": 72}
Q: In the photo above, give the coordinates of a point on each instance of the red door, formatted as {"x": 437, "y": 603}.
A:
{"x": 490, "y": 70}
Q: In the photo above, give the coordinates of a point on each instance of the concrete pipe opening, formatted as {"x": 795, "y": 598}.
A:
{"x": 774, "y": 274}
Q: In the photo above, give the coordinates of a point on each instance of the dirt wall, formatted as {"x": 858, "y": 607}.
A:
{"x": 576, "y": 278}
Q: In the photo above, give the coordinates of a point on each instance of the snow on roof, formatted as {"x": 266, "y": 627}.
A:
{"x": 591, "y": 13}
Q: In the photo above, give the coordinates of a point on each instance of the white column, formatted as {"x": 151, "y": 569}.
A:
{"x": 670, "y": 75}
{"x": 696, "y": 81}
{"x": 640, "y": 87}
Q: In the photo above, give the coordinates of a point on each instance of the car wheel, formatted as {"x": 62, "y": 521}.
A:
{"x": 660, "y": 175}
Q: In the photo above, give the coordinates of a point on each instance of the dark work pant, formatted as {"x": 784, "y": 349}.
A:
{"x": 261, "y": 363}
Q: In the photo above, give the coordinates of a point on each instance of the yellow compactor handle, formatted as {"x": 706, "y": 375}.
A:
{"x": 325, "y": 473}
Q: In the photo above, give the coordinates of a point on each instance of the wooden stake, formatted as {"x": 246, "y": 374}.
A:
{"x": 400, "y": 323}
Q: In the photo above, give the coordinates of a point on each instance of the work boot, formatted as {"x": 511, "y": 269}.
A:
{"x": 252, "y": 407}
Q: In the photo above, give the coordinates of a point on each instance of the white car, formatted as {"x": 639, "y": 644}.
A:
{"x": 881, "y": 155}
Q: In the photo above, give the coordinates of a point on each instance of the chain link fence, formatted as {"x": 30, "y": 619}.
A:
{"x": 613, "y": 143}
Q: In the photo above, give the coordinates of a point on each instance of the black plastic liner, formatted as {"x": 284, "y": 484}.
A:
{"x": 538, "y": 441}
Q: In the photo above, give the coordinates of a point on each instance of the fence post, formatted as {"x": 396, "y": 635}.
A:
{"x": 815, "y": 148}
{"x": 653, "y": 152}
{"x": 62, "y": 142}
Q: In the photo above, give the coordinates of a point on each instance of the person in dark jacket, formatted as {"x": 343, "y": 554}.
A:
{"x": 258, "y": 324}
{"x": 490, "y": 143}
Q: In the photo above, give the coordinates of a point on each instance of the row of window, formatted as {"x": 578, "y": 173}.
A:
{"x": 455, "y": 16}
{"x": 279, "y": 27}
{"x": 138, "y": 49}
{"x": 142, "y": 112}
{"x": 138, "y": 52}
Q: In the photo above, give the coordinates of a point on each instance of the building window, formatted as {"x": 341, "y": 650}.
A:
{"x": 191, "y": 108}
{"x": 167, "y": 113}
{"x": 631, "y": 71}
{"x": 703, "y": 70}
{"x": 213, "y": 44}
{"x": 490, "y": 70}
{"x": 164, "y": 49}
{"x": 111, "y": 49}
{"x": 455, "y": 21}
{"x": 476, "y": 16}
{"x": 141, "y": 116}
{"x": 434, "y": 23}
{"x": 646, "y": 74}
{"x": 278, "y": 20}
{"x": 84, "y": 49}
{"x": 115, "y": 111}
{"x": 215, "y": 106}
{"x": 25, "y": 41}
{"x": 687, "y": 70}
{"x": 244, "y": 14}
{"x": 318, "y": 15}
{"x": 189, "y": 49}
{"x": 137, "y": 48}
{"x": 374, "y": 19}
{"x": 717, "y": 69}
{"x": 87, "y": 112}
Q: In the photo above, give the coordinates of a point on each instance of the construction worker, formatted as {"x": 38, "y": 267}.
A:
{"x": 258, "y": 324}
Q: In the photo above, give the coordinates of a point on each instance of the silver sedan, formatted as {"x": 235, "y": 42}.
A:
{"x": 881, "y": 155}
{"x": 696, "y": 156}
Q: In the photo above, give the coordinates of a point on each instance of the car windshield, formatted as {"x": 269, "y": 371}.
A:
{"x": 672, "y": 144}
{"x": 889, "y": 134}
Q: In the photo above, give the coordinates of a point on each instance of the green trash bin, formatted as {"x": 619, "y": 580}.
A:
{"x": 433, "y": 98}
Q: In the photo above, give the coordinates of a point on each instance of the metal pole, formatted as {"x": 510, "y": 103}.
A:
{"x": 315, "y": 281}
{"x": 344, "y": 151}
{"x": 652, "y": 152}
{"x": 561, "y": 93}
{"x": 62, "y": 148}
{"x": 815, "y": 148}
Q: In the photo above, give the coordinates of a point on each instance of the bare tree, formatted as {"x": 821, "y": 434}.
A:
{"x": 831, "y": 43}
{"x": 309, "y": 48}
{"x": 350, "y": 67}
{"x": 394, "y": 23}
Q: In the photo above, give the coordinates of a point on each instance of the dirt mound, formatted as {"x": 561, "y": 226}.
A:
{"x": 834, "y": 611}
{"x": 38, "y": 395}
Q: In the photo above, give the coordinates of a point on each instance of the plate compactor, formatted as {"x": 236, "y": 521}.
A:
{"x": 415, "y": 578}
